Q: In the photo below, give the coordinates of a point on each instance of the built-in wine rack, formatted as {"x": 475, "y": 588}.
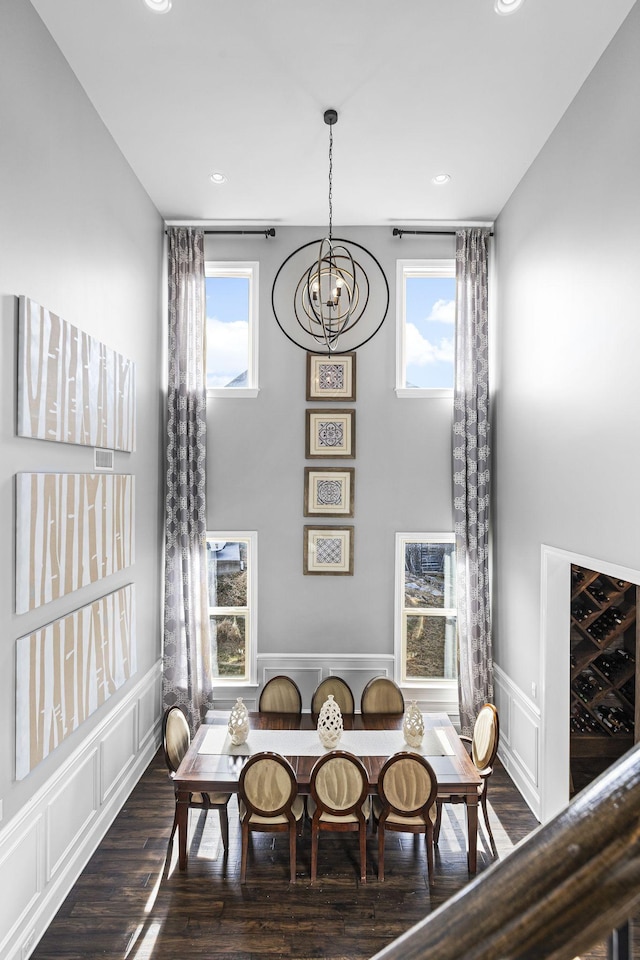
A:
{"x": 603, "y": 665}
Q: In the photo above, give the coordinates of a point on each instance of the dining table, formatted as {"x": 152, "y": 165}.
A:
{"x": 212, "y": 764}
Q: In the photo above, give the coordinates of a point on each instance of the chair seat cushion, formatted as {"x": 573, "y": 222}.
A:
{"x": 332, "y": 818}
{"x": 217, "y": 799}
{"x": 395, "y": 818}
{"x": 297, "y": 808}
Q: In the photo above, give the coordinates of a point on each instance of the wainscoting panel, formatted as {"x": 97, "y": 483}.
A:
{"x": 519, "y": 737}
{"x": 79, "y": 793}
{"x": 20, "y": 860}
{"x": 306, "y": 676}
{"x": 45, "y": 847}
{"x": 149, "y": 708}
{"x": 357, "y": 669}
{"x": 118, "y": 751}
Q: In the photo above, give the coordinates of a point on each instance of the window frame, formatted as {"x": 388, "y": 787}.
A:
{"x": 400, "y": 611}
{"x": 251, "y": 270}
{"x": 250, "y": 537}
{"x": 406, "y": 269}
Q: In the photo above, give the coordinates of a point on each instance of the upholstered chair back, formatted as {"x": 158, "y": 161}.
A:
{"x": 339, "y": 786}
{"x": 280, "y": 695}
{"x": 268, "y": 786}
{"x": 408, "y": 786}
{"x": 486, "y": 733}
{"x": 341, "y": 694}
{"x": 382, "y": 695}
{"x": 176, "y": 737}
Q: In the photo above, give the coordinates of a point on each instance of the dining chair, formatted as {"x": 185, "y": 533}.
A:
{"x": 176, "y": 738}
{"x": 268, "y": 802}
{"x": 280, "y": 695}
{"x": 339, "y": 801}
{"x": 341, "y": 694}
{"x": 484, "y": 747}
{"x": 406, "y": 802}
{"x": 382, "y": 695}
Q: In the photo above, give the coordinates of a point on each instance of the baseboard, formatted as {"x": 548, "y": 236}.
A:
{"x": 47, "y": 845}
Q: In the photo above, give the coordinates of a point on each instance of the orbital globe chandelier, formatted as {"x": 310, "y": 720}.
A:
{"x": 334, "y": 289}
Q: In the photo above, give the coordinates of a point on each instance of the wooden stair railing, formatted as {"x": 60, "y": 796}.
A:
{"x": 560, "y": 891}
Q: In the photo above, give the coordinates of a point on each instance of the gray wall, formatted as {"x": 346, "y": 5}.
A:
{"x": 256, "y": 465}
{"x": 566, "y": 399}
{"x": 79, "y": 236}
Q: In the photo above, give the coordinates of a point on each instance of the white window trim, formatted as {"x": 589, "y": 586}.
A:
{"x": 251, "y": 630}
{"x": 429, "y": 683}
{"x": 416, "y": 268}
{"x": 250, "y": 269}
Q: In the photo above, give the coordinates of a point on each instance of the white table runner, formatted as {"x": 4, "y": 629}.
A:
{"x": 299, "y": 743}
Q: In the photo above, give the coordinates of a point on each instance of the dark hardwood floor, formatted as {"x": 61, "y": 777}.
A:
{"x": 128, "y": 906}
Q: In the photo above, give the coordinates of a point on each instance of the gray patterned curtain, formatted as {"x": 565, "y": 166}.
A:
{"x": 471, "y": 475}
{"x": 187, "y": 655}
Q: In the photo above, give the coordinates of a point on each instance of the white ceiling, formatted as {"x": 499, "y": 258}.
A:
{"x": 421, "y": 87}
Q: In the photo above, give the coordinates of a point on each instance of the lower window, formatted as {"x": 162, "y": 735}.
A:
{"x": 426, "y": 626}
{"x": 231, "y": 576}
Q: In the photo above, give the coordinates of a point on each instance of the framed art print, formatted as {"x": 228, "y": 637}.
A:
{"x": 328, "y": 491}
{"x": 331, "y": 378}
{"x": 330, "y": 433}
{"x": 72, "y": 388}
{"x": 328, "y": 550}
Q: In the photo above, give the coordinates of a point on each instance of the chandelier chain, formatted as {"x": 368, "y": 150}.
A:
{"x": 330, "y": 181}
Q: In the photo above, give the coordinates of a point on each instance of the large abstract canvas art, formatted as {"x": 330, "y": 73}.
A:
{"x": 71, "y": 387}
{"x": 72, "y": 529}
{"x": 69, "y": 668}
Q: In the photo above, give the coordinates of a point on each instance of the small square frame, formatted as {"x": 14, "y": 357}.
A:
{"x": 329, "y": 491}
{"x": 330, "y": 433}
{"x": 331, "y": 377}
{"x": 328, "y": 551}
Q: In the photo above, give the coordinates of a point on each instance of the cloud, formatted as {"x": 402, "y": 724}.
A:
{"x": 443, "y": 311}
{"x": 420, "y": 351}
{"x": 227, "y": 350}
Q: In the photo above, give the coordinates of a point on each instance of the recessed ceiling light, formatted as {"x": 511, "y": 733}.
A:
{"x": 441, "y": 178}
{"x": 218, "y": 177}
{"x": 159, "y": 6}
{"x": 507, "y": 6}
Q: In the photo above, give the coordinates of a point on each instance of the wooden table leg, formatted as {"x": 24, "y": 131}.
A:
{"x": 182, "y": 803}
{"x": 472, "y": 832}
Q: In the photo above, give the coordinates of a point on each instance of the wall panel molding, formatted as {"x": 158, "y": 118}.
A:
{"x": 46, "y": 846}
{"x": 308, "y": 669}
{"x": 520, "y": 725}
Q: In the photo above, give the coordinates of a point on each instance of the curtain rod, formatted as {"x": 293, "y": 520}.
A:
{"x": 270, "y": 232}
{"x": 398, "y": 232}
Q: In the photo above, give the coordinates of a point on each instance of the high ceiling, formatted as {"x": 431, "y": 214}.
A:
{"x": 422, "y": 87}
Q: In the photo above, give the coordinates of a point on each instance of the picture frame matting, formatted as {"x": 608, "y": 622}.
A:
{"x": 330, "y": 433}
{"x": 331, "y": 378}
{"x": 329, "y": 491}
{"x": 328, "y": 550}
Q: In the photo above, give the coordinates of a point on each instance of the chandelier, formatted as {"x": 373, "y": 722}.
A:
{"x": 333, "y": 291}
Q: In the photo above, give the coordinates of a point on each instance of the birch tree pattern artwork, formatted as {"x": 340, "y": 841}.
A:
{"x": 71, "y": 387}
{"x": 69, "y": 668}
{"x": 72, "y": 529}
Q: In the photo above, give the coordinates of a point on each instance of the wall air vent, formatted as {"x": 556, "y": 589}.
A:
{"x": 102, "y": 459}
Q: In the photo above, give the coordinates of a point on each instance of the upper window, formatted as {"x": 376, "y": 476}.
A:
{"x": 426, "y": 633}
{"x": 232, "y": 329}
{"x": 231, "y": 575}
{"x": 426, "y": 314}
